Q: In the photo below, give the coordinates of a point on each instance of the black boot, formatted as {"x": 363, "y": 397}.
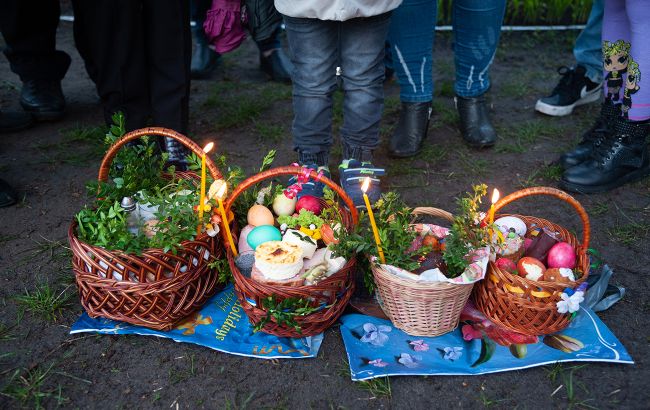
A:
{"x": 13, "y": 121}
{"x": 592, "y": 138}
{"x": 620, "y": 158}
{"x": 277, "y": 66}
{"x": 411, "y": 130}
{"x": 43, "y": 99}
{"x": 204, "y": 59}
{"x": 475, "y": 124}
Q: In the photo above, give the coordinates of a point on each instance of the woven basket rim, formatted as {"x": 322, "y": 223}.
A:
{"x": 413, "y": 283}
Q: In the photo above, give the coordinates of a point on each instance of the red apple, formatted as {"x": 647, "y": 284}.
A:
{"x": 531, "y": 268}
{"x": 561, "y": 255}
{"x": 309, "y": 203}
{"x": 507, "y": 265}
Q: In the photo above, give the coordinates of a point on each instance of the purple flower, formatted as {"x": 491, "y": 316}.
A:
{"x": 452, "y": 353}
{"x": 408, "y": 360}
{"x": 374, "y": 334}
{"x": 378, "y": 363}
{"x": 419, "y": 345}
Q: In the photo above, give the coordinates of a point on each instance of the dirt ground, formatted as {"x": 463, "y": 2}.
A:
{"x": 247, "y": 116}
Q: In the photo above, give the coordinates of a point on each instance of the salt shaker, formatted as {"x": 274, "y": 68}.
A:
{"x": 133, "y": 217}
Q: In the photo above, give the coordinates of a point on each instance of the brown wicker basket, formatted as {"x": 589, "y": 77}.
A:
{"x": 524, "y": 305}
{"x": 333, "y": 292}
{"x": 175, "y": 291}
{"x": 421, "y": 309}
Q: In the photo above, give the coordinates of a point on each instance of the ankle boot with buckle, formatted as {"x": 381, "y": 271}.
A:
{"x": 475, "y": 125}
{"x": 411, "y": 130}
{"x": 620, "y": 158}
{"x": 593, "y": 137}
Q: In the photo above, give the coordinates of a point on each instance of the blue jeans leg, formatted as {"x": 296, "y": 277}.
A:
{"x": 588, "y": 49}
{"x": 477, "y": 28}
{"x": 313, "y": 46}
{"x": 362, "y": 71}
{"x": 411, "y": 37}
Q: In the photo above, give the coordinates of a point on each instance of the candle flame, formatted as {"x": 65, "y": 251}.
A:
{"x": 208, "y": 147}
{"x": 222, "y": 191}
{"x": 495, "y": 196}
{"x": 365, "y": 185}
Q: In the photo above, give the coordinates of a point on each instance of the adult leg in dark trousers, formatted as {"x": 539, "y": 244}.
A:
{"x": 29, "y": 29}
{"x": 138, "y": 54}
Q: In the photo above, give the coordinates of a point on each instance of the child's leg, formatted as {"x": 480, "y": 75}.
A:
{"x": 638, "y": 74}
{"x": 313, "y": 47}
{"x": 362, "y": 71}
{"x": 616, "y": 29}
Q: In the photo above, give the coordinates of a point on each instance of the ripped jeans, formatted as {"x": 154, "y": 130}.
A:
{"x": 477, "y": 26}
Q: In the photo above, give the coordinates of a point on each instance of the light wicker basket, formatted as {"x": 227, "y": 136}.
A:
{"x": 417, "y": 308}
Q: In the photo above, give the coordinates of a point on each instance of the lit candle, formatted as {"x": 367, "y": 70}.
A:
{"x": 495, "y": 198}
{"x": 364, "y": 188}
{"x": 206, "y": 149}
{"x": 224, "y": 218}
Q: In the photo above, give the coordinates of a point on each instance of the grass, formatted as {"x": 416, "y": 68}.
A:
{"x": 378, "y": 387}
{"x": 6, "y": 332}
{"x": 474, "y": 166}
{"x": 520, "y": 137}
{"x": 566, "y": 375}
{"x": 548, "y": 172}
{"x": 27, "y": 386}
{"x": 44, "y": 302}
{"x": 270, "y": 132}
{"x": 443, "y": 114}
{"x": 79, "y": 146}
{"x": 601, "y": 208}
{"x": 630, "y": 234}
{"x": 179, "y": 375}
{"x": 234, "y": 405}
{"x": 237, "y": 106}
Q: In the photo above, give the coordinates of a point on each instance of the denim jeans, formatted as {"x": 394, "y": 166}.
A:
{"x": 588, "y": 50}
{"x": 317, "y": 47}
{"x": 477, "y": 27}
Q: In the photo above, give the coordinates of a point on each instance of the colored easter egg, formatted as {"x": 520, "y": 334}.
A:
{"x": 260, "y": 215}
{"x": 507, "y": 222}
{"x": 261, "y": 234}
{"x": 243, "y": 236}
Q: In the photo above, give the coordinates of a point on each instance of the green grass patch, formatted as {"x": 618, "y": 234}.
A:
{"x": 270, "y": 132}
{"x": 443, "y": 114}
{"x": 545, "y": 173}
{"x": 79, "y": 146}
{"x": 44, "y": 302}
{"x": 27, "y": 386}
{"x": 378, "y": 387}
{"x": 630, "y": 234}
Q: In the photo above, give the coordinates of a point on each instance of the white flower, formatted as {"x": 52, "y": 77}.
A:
{"x": 570, "y": 304}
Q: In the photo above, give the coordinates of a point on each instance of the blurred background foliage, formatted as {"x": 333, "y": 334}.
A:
{"x": 533, "y": 12}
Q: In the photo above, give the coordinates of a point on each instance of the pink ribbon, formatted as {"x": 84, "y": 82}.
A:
{"x": 301, "y": 178}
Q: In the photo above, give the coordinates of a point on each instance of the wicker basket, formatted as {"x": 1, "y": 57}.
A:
{"x": 176, "y": 290}
{"x": 417, "y": 308}
{"x": 333, "y": 292}
{"x": 524, "y": 305}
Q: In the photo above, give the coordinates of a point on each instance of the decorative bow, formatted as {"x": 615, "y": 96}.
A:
{"x": 301, "y": 178}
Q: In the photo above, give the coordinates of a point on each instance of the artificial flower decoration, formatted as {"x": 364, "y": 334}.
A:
{"x": 419, "y": 345}
{"x": 374, "y": 334}
{"x": 452, "y": 353}
{"x": 570, "y": 303}
{"x": 408, "y": 360}
{"x": 378, "y": 363}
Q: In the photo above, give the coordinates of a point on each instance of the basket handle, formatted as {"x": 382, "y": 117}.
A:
{"x": 440, "y": 213}
{"x": 291, "y": 170}
{"x": 159, "y": 131}
{"x": 554, "y": 192}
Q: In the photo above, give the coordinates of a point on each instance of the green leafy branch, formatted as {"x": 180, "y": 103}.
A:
{"x": 285, "y": 312}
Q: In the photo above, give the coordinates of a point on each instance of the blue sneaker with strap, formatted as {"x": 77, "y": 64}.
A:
{"x": 311, "y": 187}
{"x": 352, "y": 174}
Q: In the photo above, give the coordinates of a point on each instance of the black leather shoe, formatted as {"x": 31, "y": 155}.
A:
{"x": 43, "y": 99}
{"x": 593, "y": 137}
{"x": 277, "y": 66}
{"x": 475, "y": 125}
{"x": 620, "y": 158}
{"x": 13, "y": 121}
{"x": 204, "y": 59}
{"x": 411, "y": 130}
{"x": 8, "y": 195}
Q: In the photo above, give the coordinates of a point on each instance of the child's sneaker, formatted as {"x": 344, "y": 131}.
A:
{"x": 352, "y": 173}
{"x": 311, "y": 187}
